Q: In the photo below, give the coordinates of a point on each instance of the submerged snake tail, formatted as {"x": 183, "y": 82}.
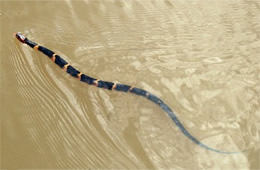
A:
{"x": 114, "y": 86}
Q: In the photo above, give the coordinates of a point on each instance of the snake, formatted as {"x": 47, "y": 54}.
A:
{"x": 116, "y": 87}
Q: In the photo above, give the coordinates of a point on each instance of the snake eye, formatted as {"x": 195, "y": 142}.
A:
{"x": 20, "y": 37}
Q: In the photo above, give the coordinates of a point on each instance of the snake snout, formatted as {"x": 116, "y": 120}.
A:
{"x": 20, "y": 37}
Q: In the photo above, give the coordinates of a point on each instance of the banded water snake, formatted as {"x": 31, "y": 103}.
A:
{"x": 113, "y": 86}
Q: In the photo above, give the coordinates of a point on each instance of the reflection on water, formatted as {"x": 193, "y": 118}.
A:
{"x": 200, "y": 57}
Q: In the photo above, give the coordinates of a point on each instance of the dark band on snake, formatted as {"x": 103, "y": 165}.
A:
{"x": 114, "y": 86}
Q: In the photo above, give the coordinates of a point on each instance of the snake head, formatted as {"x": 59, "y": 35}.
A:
{"x": 20, "y": 37}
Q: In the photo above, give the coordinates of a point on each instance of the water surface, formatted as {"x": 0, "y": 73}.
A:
{"x": 201, "y": 57}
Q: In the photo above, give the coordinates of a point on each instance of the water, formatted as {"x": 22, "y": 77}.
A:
{"x": 201, "y": 57}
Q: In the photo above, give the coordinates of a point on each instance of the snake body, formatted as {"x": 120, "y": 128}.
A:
{"x": 114, "y": 86}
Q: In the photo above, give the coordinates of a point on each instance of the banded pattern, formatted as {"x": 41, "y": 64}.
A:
{"x": 113, "y": 86}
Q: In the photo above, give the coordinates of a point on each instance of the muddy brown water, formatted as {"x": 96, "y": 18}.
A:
{"x": 201, "y": 57}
